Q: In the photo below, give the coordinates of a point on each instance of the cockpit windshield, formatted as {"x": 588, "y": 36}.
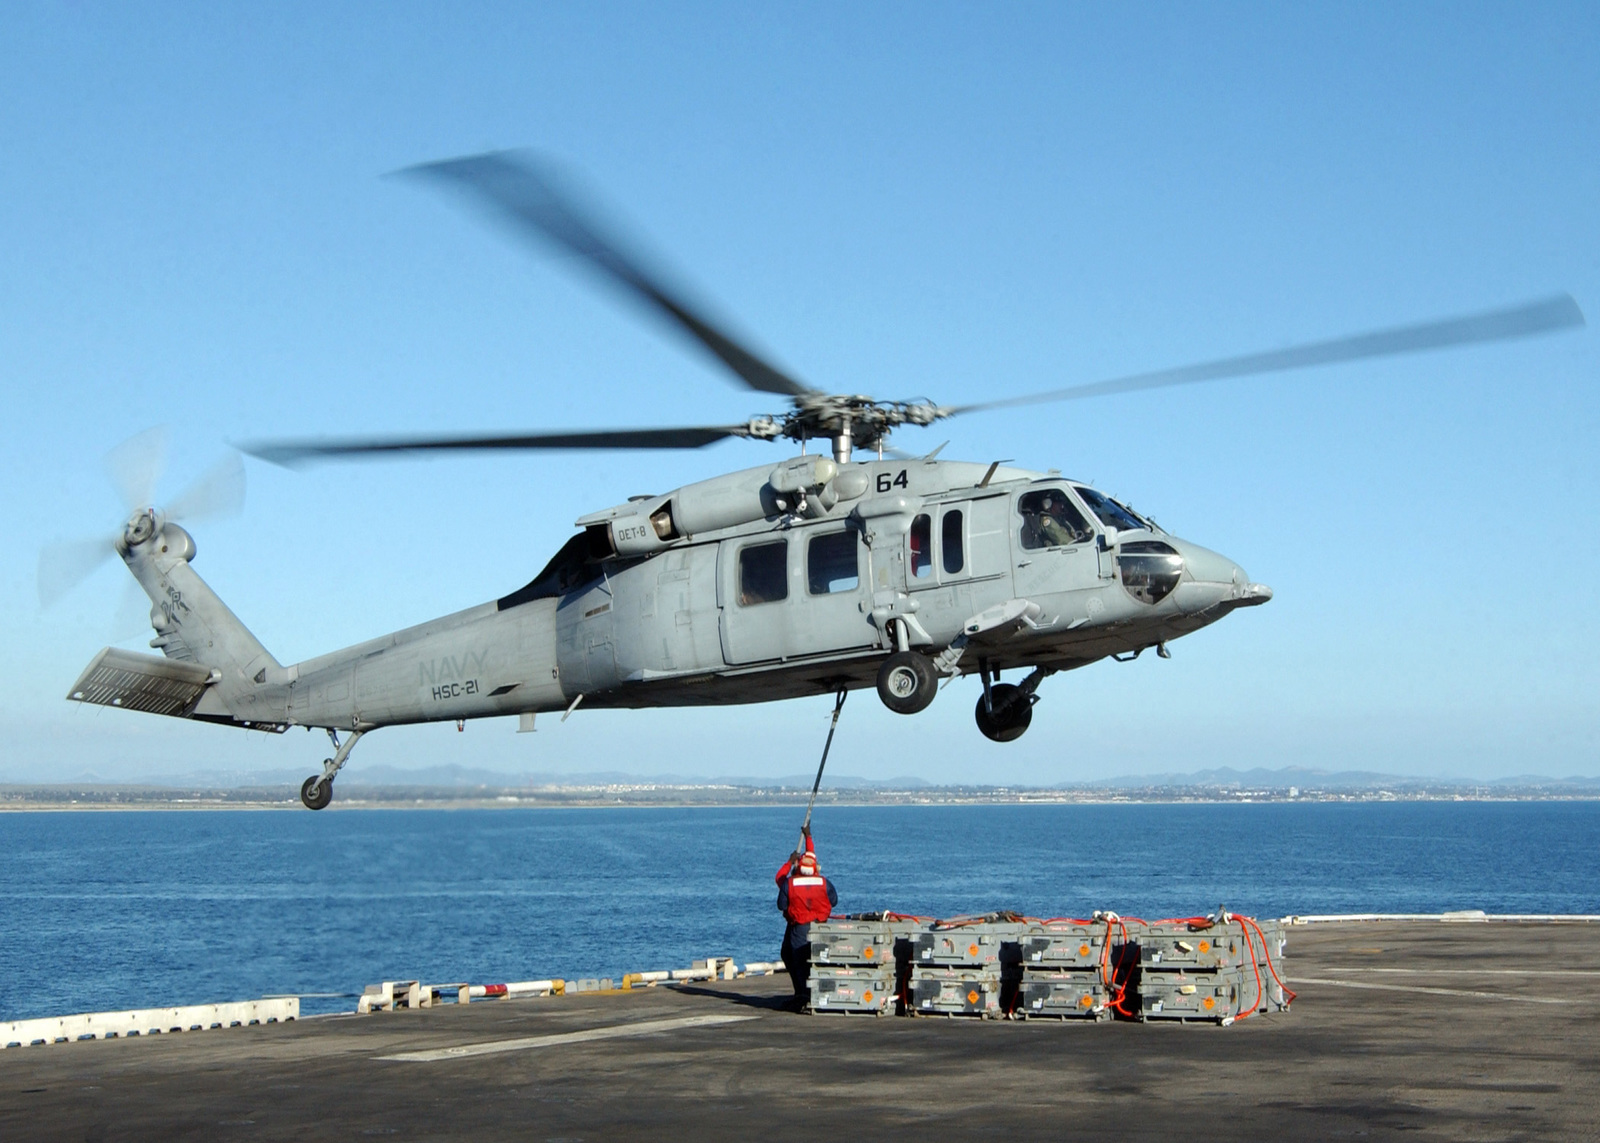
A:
{"x": 1111, "y": 514}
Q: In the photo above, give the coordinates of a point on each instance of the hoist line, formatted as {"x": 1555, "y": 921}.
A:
{"x": 838, "y": 705}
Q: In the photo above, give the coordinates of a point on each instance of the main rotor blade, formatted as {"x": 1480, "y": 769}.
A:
{"x": 291, "y": 453}
{"x": 524, "y": 195}
{"x": 1545, "y": 316}
{"x": 219, "y": 491}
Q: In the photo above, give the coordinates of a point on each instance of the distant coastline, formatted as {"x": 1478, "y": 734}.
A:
{"x": 46, "y": 797}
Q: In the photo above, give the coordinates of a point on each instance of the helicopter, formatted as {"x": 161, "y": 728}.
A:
{"x": 849, "y": 567}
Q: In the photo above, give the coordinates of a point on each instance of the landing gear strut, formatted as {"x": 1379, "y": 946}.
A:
{"x": 1005, "y": 711}
{"x": 317, "y": 791}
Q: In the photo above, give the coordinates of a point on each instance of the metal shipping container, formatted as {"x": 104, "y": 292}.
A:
{"x": 954, "y": 991}
{"x": 1177, "y": 947}
{"x": 1220, "y": 946}
{"x": 837, "y": 988}
{"x": 1061, "y": 946}
{"x": 1219, "y": 995}
{"x": 1080, "y": 995}
{"x": 973, "y": 946}
{"x": 852, "y": 942}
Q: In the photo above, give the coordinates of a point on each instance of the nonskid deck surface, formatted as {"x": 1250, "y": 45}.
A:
{"x": 1426, "y": 1030}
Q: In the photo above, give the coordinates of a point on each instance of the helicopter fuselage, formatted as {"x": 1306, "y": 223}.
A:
{"x": 805, "y": 598}
{"x": 811, "y": 577}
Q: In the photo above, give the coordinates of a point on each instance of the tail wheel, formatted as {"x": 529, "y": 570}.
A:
{"x": 1007, "y": 714}
{"x": 315, "y": 793}
{"x": 907, "y": 682}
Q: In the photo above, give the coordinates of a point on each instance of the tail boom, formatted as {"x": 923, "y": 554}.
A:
{"x": 215, "y": 670}
{"x": 477, "y": 663}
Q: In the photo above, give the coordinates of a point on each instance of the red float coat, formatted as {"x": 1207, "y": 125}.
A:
{"x": 804, "y": 898}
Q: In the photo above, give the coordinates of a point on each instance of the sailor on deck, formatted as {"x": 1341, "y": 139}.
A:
{"x": 804, "y": 895}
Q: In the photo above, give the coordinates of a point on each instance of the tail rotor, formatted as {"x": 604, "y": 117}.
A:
{"x": 135, "y": 467}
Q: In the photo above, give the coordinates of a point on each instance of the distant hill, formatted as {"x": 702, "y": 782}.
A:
{"x": 465, "y": 776}
{"x": 460, "y": 778}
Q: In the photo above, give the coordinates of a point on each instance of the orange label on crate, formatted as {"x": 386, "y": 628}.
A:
{"x": 869, "y": 952}
{"x": 1209, "y": 1003}
{"x": 972, "y": 997}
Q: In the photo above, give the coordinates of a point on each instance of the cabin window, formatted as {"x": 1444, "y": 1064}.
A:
{"x": 954, "y": 558}
{"x": 921, "y": 547}
{"x": 764, "y": 573}
{"x": 1050, "y": 520}
{"x": 831, "y": 563}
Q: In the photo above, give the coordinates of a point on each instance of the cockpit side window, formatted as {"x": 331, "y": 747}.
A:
{"x": 1111, "y": 514}
{"x": 1051, "y": 520}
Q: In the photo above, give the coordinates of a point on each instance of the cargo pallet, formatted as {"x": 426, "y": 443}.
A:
{"x": 1210, "y": 973}
{"x": 1197, "y": 970}
{"x": 859, "y": 965}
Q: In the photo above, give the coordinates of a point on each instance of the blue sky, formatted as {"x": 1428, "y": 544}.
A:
{"x": 962, "y": 202}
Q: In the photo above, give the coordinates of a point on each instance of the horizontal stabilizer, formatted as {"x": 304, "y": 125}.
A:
{"x": 155, "y": 685}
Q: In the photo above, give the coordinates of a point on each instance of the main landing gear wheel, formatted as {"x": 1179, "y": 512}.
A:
{"x": 315, "y": 793}
{"x": 907, "y": 682}
{"x": 1006, "y": 714}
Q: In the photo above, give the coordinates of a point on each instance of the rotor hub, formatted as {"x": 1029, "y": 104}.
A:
{"x": 140, "y": 528}
{"x": 857, "y": 420}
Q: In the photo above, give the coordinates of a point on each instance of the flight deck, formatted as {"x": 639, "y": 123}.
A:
{"x": 1436, "y": 1030}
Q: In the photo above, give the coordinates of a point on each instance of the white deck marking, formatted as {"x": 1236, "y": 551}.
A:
{"x": 612, "y": 1031}
{"x": 1470, "y": 971}
{"x": 1430, "y": 991}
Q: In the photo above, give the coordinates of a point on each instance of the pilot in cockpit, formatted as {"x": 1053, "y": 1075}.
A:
{"x": 1055, "y": 522}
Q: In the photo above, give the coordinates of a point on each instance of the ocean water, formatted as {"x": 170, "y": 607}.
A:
{"x": 118, "y": 910}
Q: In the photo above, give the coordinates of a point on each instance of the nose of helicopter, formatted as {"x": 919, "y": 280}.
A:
{"x": 1215, "y": 579}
